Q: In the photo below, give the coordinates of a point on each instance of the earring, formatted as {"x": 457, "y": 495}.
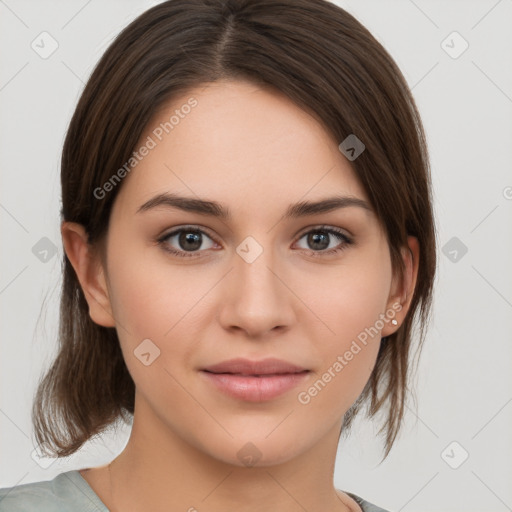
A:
{"x": 394, "y": 322}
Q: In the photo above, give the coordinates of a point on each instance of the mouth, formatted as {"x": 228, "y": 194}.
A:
{"x": 254, "y": 381}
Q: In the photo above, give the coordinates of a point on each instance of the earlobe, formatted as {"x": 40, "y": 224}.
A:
{"x": 90, "y": 272}
{"x": 401, "y": 299}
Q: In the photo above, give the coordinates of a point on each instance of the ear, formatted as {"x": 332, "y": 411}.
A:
{"x": 90, "y": 272}
{"x": 402, "y": 290}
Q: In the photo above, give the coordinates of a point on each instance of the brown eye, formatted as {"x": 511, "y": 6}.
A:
{"x": 186, "y": 242}
{"x": 321, "y": 241}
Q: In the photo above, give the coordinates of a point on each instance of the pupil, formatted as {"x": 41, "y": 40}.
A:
{"x": 319, "y": 238}
{"x": 190, "y": 240}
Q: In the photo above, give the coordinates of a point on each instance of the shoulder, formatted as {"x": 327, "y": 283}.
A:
{"x": 366, "y": 506}
{"x": 68, "y": 491}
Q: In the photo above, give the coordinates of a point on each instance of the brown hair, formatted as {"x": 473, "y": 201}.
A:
{"x": 325, "y": 61}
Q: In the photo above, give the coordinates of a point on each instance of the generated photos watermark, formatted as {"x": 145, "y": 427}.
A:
{"x": 158, "y": 133}
{"x": 305, "y": 397}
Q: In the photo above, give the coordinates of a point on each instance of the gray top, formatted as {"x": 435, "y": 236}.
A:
{"x": 70, "y": 492}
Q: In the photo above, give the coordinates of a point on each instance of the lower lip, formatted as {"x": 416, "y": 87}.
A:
{"x": 255, "y": 389}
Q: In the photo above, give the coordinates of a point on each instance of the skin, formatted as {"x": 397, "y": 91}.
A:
{"x": 255, "y": 152}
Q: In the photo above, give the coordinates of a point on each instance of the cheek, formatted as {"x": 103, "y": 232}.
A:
{"x": 149, "y": 294}
{"x": 347, "y": 300}
{"x": 347, "y": 339}
{"x": 156, "y": 300}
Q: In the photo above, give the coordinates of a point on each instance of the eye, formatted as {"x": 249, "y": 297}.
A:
{"x": 189, "y": 241}
{"x": 186, "y": 241}
{"x": 322, "y": 241}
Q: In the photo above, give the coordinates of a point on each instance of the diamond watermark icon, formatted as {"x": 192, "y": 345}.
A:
{"x": 249, "y": 454}
{"x": 45, "y": 45}
{"x": 454, "y": 455}
{"x": 454, "y": 45}
{"x": 454, "y": 249}
{"x": 44, "y": 250}
{"x": 352, "y": 147}
{"x": 146, "y": 352}
{"x": 249, "y": 249}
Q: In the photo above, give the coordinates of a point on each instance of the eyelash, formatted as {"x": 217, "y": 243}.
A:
{"x": 322, "y": 229}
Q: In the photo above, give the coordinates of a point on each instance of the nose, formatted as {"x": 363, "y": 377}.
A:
{"x": 257, "y": 298}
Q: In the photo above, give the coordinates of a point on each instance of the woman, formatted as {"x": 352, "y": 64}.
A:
{"x": 249, "y": 238}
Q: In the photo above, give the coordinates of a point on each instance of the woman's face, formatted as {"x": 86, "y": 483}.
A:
{"x": 271, "y": 278}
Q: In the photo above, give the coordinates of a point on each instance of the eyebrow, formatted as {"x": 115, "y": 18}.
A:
{"x": 214, "y": 209}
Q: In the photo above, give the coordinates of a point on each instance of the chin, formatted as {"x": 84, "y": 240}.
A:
{"x": 260, "y": 452}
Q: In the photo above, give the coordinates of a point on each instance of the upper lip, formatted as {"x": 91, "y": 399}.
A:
{"x": 270, "y": 366}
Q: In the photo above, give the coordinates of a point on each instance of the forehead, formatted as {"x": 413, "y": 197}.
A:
{"x": 239, "y": 144}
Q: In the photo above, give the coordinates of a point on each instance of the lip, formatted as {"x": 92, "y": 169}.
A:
{"x": 254, "y": 381}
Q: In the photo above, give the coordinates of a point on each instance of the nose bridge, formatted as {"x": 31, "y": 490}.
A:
{"x": 258, "y": 301}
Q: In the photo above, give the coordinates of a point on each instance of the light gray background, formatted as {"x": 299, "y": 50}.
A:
{"x": 464, "y": 380}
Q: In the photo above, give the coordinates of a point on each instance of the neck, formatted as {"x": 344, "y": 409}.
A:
{"x": 158, "y": 470}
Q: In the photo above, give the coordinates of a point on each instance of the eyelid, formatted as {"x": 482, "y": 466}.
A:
{"x": 192, "y": 227}
{"x": 326, "y": 227}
